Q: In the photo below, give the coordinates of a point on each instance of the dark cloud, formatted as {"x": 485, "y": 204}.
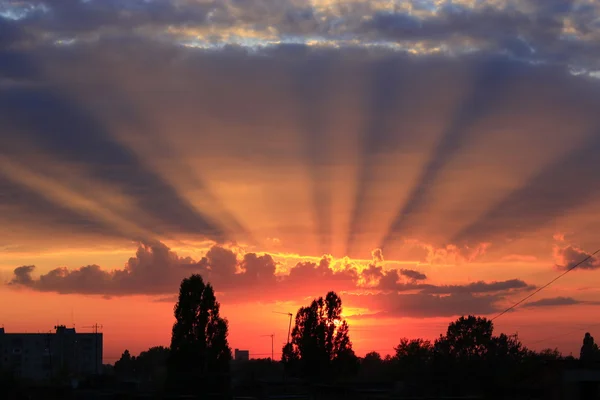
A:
{"x": 486, "y": 25}
{"x": 480, "y": 287}
{"x": 157, "y": 270}
{"x": 412, "y": 274}
{"x": 154, "y": 270}
{"x": 422, "y": 305}
{"x": 72, "y": 17}
{"x": 567, "y": 257}
{"x": 391, "y": 279}
{"x": 318, "y": 277}
{"x": 530, "y": 30}
{"x": 554, "y": 302}
{"x": 23, "y": 275}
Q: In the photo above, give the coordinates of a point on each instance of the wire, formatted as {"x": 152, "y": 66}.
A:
{"x": 546, "y": 285}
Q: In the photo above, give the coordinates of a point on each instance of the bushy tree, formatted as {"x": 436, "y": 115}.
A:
{"x": 199, "y": 354}
{"x": 374, "y": 368}
{"x": 413, "y": 357}
{"x": 149, "y": 367}
{"x": 467, "y": 339}
{"x": 124, "y": 367}
{"x": 372, "y": 357}
{"x": 320, "y": 348}
{"x": 470, "y": 353}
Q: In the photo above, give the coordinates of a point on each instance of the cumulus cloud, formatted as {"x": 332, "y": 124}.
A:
{"x": 240, "y": 277}
{"x": 449, "y": 254}
{"x": 391, "y": 279}
{"x": 568, "y": 256}
{"x": 156, "y": 269}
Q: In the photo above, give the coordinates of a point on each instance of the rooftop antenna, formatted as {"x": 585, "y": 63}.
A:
{"x": 272, "y": 336}
{"x": 289, "y": 314}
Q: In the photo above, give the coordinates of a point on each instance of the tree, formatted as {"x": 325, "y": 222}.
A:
{"x": 472, "y": 355}
{"x": 507, "y": 349}
{"x": 413, "y": 356}
{"x": 374, "y": 368}
{"x": 124, "y": 367}
{"x": 467, "y": 339}
{"x": 199, "y": 354}
{"x": 548, "y": 354}
{"x": 150, "y": 365}
{"x": 413, "y": 349}
{"x": 589, "y": 350}
{"x": 372, "y": 357}
{"x": 320, "y": 348}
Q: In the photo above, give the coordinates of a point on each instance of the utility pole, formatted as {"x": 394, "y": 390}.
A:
{"x": 289, "y": 314}
{"x": 272, "y": 336}
{"x": 95, "y": 327}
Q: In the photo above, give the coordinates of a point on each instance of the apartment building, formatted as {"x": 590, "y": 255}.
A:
{"x": 43, "y": 356}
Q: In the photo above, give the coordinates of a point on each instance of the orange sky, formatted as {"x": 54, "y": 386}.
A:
{"x": 421, "y": 173}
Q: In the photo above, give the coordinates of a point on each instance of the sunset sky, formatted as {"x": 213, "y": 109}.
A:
{"x": 425, "y": 159}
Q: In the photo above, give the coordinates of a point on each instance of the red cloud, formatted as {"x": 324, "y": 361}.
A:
{"x": 157, "y": 270}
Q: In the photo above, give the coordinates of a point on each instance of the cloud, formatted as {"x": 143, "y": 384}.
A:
{"x": 533, "y": 31}
{"x": 157, "y": 270}
{"x": 568, "y": 256}
{"x": 241, "y": 277}
{"x": 420, "y": 305}
{"x": 449, "y": 254}
{"x": 375, "y": 276}
{"x": 480, "y": 287}
{"x": 412, "y": 274}
{"x": 325, "y": 125}
{"x": 554, "y": 302}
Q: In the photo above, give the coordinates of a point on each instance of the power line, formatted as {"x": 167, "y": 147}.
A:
{"x": 546, "y": 285}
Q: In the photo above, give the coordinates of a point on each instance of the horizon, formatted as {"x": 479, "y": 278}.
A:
{"x": 423, "y": 159}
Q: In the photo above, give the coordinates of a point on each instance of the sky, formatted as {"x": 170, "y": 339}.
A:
{"x": 425, "y": 159}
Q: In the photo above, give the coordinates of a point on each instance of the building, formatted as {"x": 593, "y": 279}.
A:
{"x": 241, "y": 355}
{"x": 43, "y": 356}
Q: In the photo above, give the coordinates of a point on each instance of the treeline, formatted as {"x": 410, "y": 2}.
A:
{"x": 470, "y": 358}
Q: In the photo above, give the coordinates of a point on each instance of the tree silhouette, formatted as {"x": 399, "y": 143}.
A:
{"x": 471, "y": 354}
{"x": 124, "y": 367}
{"x": 199, "y": 355}
{"x": 547, "y": 354}
{"x": 413, "y": 357}
{"x": 372, "y": 357}
{"x": 150, "y": 365}
{"x": 467, "y": 338}
{"x": 320, "y": 348}
{"x": 589, "y": 350}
